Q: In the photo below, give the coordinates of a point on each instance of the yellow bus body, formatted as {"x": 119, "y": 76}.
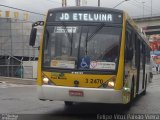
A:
{"x": 93, "y": 90}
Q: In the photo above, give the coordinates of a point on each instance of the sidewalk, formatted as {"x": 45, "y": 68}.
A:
{"x": 18, "y": 81}
{"x": 156, "y": 76}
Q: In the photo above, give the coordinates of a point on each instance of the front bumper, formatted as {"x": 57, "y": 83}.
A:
{"x": 93, "y": 95}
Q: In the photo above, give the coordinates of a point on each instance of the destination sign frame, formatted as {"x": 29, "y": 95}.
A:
{"x": 85, "y": 16}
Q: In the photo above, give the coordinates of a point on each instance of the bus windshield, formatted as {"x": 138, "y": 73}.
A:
{"x": 81, "y": 47}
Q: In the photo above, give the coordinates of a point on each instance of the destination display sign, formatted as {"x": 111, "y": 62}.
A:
{"x": 86, "y": 16}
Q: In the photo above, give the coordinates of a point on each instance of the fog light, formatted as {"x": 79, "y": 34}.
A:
{"x": 104, "y": 85}
{"x": 45, "y": 80}
{"x": 111, "y": 84}
{"x": 126, "y": 89}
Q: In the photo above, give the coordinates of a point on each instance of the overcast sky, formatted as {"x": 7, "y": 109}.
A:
{"x": 135, "y": 8}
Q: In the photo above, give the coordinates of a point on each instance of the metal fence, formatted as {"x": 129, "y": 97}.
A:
{"x": 17, "y": 71}
{"x": 13, "y": 68}
{"x": 14, "y": 48}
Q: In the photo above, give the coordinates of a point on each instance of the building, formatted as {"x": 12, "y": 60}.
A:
{"x": 14, "y": 46}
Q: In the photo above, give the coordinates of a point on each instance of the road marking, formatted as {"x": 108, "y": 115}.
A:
{"x": 154, "y": 85}
{"x": 5, "y": 85}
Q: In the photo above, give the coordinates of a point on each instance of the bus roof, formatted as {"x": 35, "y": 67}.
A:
{"x": 85, "y": 8}
{"x": 135, "y": 26}
{"x": 102, "y": 9}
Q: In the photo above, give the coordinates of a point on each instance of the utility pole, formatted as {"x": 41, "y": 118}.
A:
{"x": 143, "y": 8}
{"x": 78, "y": 2}
{"x": 84, "y": 2}
{"x": 99, "y": 3}
{"x": 64, "y": 3}
{"x": 151, "y": 8}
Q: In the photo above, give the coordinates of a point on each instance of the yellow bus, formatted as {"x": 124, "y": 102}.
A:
{"x": 91, "y": 54}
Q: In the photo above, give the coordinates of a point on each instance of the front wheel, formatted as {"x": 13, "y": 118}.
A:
{"x": 68, "y": 103}
{"x": 128, "y": 105}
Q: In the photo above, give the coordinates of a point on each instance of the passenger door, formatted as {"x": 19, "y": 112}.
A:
{"x": 140, "y": 64}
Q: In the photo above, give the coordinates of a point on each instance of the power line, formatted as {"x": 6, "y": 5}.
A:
{"x": 147, "y": 15}
{"x": 134, "y": 3}
{"x": 139, "y": 5}
{"x": 54, "y": 1}
{"x": 120, "y": 3}
{"x": 148, "y": 7}
{"x": 22, "y": 9}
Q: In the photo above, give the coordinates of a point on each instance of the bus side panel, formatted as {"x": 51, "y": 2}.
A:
{"x": 120, "y": 74}
{"x": 39, "y": 71}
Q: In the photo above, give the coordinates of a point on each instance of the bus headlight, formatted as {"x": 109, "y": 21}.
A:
{"x": 45, "y": 80}
{"x": 111, "y": 84}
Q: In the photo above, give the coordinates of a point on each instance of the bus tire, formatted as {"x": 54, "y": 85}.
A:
{"x": 128, "y": 105}
{"x": 145, "y": 87}
{"x": 68, "y": 103}
{"x": 150, "y": 77}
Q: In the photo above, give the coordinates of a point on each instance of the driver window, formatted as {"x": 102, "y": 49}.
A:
{"x": 128, "y": 45}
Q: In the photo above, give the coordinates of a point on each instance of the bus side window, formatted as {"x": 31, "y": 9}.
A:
{"x": 134, "y": 48}
{"x": 147, "y": 55}
{"x": 137, "y": 51}
{"x": 141, "y": 55}
{"x": 129, "y": 46}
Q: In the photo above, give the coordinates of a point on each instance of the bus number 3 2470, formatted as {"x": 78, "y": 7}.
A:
{"x": 94, "y": 81}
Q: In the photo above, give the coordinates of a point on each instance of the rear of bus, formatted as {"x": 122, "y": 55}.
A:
{"x": 82, "y": 56}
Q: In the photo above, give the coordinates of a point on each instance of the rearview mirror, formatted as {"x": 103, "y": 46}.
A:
{"x": 33, "y": 37}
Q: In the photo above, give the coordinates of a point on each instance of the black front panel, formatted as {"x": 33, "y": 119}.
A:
{"x": 85, "y": 16}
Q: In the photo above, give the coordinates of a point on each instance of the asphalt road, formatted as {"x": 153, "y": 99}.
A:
{"x": 22, "y": 100}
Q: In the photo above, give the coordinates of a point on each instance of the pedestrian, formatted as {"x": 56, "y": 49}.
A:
{"x": 157, "y": 68}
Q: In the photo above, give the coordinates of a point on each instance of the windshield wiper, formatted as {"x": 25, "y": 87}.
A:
{"x": 79, "y": 44}
{"x": 71, "y": 43}
{"x": 86, "y": 41}
{"x": 88, "y": 38}
{"x": 96, "y": 31}
{"x": 70, "y": 37}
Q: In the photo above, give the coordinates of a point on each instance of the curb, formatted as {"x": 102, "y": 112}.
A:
{"x": 18, "y": 81}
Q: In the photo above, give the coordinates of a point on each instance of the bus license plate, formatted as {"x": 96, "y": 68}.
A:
{"x": 76, "y": 93}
